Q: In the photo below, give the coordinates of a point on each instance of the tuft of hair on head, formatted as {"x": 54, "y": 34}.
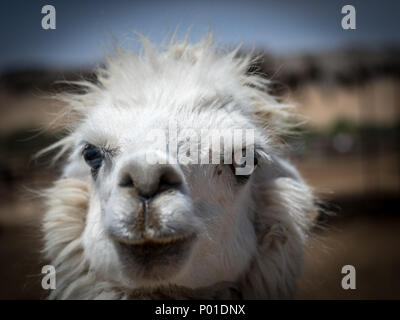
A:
{"x": 127, "y": 77}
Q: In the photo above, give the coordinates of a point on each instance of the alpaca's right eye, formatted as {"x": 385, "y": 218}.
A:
{"x": 93, "y": 156}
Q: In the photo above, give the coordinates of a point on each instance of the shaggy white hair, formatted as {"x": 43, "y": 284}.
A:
{"x": 249, "y": 236}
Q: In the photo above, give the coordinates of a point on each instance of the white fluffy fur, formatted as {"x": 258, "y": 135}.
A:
{"x": 253, "y": 242}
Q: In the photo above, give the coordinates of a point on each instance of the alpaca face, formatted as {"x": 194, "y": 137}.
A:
{"x": 173, "y": 179}
{"x": 157, "y": 216}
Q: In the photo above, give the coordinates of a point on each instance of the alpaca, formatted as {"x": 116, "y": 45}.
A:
{"x": 118, "y": 226}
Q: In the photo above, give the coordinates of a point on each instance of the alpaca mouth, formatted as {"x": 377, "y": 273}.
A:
{"x": 150, "y": 249}
{"x": 154, "y": 255}
{"x": 156, "y": 241}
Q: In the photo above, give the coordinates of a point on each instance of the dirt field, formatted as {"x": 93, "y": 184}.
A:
{"x": 369, "y": 244}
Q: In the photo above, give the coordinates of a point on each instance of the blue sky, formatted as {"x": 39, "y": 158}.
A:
{"x": 83, "y": 29}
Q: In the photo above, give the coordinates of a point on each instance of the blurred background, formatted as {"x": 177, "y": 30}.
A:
{"x": 346, "y": 82}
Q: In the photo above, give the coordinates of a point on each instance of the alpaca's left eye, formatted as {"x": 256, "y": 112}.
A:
{"x": 93, "y": 156}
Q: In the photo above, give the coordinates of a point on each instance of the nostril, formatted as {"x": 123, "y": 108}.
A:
{"x": 126, "y": 182}
{"x": 168, "y": 181}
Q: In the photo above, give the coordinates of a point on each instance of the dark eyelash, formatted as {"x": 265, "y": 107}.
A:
{"x": 107, "y": 151}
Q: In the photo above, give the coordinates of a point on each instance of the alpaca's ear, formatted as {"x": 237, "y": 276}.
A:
{"x": 284, "y": 213}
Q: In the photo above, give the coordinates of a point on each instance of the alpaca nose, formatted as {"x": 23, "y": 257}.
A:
{"x": 149, "y": 180}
